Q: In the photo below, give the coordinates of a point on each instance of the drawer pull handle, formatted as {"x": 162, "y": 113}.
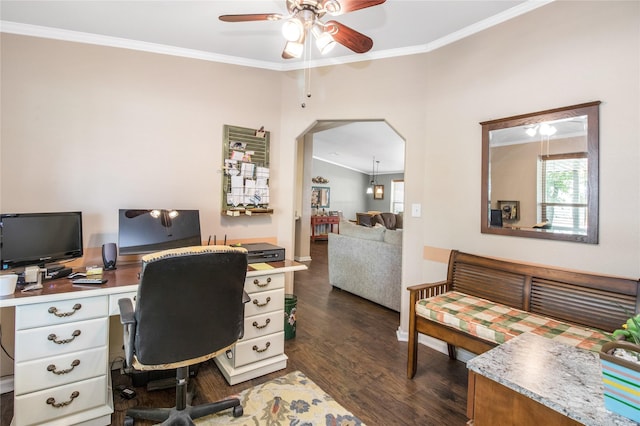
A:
{"x": 255, "y": 324}
{"x": 54, "y": 338}
{"x": 257, "y": 282}
{"x": 255, "y": 347}
{"x": 74, "y": 364}
{"x": 260, "y": 305}
{"x": 53, "y": 310}
{"x": 52, "y": 401}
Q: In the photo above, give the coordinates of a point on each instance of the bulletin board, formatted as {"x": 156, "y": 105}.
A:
{"x": 245, "y": 182}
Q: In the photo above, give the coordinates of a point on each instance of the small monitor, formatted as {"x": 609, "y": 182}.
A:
{"x": 39, "y": 238}
{"x": 143, "y": 231}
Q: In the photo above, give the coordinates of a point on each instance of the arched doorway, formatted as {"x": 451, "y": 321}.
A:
{"x": 353, "y": 151}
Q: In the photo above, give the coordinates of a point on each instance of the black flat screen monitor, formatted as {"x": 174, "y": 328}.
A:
{"x": 39, "y": 238}
{"x": 147, "y": 231}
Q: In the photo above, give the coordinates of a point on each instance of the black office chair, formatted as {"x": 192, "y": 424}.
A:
{"x": 189, "y": 308}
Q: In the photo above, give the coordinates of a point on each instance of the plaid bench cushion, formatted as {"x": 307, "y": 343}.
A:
{"x": 498, "y": 323}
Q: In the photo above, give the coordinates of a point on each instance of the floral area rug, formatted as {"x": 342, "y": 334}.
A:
{"x": 291, "y": 400}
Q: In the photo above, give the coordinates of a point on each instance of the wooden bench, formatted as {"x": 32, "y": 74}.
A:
{"x": 582, "y": 299}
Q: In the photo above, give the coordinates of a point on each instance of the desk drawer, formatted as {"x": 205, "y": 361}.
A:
{"x": 261, "y": 325}
{"x": 257, "y": 349}
{"x": 114, "y": 309}
{"x": 320, "y": 220}
{"x": 60, "y": 312}
{"x": 34, "y": 375}
{"x": 265, "y": 301}
{"x": 263, "y": 283}
{"x": 41, "y": 342}
{"x": 33, "y": 408}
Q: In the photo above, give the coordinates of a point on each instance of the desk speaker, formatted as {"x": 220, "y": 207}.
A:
{"x": 109, "y": 256}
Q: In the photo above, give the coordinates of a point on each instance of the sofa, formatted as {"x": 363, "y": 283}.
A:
{"x": 367, "y": 261}
{"x": 485, "y": 302}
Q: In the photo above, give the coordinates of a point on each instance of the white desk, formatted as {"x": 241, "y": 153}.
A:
{"x": 61, "y": 371}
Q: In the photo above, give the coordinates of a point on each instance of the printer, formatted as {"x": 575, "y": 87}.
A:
{"x": 263, "y": 252}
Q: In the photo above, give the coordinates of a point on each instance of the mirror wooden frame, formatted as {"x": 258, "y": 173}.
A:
{"x": 591, "y": 110}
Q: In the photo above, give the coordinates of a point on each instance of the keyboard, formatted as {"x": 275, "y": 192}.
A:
{"x": 89, "y": 281}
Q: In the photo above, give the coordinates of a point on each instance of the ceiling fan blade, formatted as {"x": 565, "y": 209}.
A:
{"x": 351, "y": 5}
{"x": 348, "y": 37}
{"x": 135, "y": 213}
{"x": 251, "y": 17}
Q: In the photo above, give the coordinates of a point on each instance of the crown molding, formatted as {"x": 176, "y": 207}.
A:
{"x": 101, "y": 40}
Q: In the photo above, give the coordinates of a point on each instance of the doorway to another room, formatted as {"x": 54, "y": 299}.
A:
{"x": 350, "y": 166}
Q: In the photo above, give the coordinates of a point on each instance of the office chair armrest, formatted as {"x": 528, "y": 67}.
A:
{"x": 128, "y": 319}
{"x": 245, "y": 299}
{"x": 126, "y": 311}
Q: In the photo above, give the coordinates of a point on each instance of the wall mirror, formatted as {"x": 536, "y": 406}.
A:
{"x": 540, "y": 174}
{"x": 320, "y": 197}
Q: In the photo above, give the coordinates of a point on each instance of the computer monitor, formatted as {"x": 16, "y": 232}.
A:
{"x": 39, "y": 238}
{"x": 143, "y": 231}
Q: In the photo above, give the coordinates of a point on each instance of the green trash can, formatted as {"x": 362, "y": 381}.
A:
{"x": 290, "y": 308}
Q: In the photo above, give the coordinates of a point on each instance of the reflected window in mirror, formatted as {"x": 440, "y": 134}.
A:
{"x": 548, "y": 161}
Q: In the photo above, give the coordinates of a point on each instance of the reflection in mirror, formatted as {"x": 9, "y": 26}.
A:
{"x": 540, "y": 174}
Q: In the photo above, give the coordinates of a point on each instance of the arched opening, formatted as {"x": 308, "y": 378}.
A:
{"x": 354, "y": 155}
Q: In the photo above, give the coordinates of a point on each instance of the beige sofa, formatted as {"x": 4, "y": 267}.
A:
{"x": 367, "y": 261}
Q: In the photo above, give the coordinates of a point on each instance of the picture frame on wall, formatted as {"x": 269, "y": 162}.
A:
{"x": 378, "y": 192}
{"x": 510, "y": 209}
{"x": 320, "y": 196}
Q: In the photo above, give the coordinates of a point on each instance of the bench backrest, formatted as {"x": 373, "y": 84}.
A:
{"x": 591, "y": 300}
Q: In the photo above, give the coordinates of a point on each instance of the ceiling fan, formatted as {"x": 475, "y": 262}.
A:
{"x": 305, "y": 16}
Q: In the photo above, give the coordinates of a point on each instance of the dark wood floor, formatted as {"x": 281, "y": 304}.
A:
{"x": 348, "y": 347}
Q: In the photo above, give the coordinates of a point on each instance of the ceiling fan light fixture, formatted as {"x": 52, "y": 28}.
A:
{"x": 325, "y": 43}
{"x": 293, "y": 29}
{"x": 293, "y": 49}
{"x": 332, "y": 7}
{"x": 324, "y": 40}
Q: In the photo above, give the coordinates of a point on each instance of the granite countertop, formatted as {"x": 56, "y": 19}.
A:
{"x": 564, "y": 378}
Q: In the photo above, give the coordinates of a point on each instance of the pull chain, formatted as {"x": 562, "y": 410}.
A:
{"x": 307, "y": 72}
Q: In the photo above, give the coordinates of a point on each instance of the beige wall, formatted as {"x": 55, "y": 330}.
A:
{"x": 95, "y": 128}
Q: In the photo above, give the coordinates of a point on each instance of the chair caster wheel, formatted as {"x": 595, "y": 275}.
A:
{"x": 128, "y": 421}
{"x": 238, "y": 411}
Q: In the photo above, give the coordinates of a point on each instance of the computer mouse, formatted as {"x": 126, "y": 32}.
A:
{"x": 76, "y": 275}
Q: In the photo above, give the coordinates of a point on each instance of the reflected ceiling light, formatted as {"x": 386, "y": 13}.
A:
{"x": 173, "y": 214}
{"x": 547, "y": 130}
{"x": 155, "y": 214}
{"x": 531, "y": 131}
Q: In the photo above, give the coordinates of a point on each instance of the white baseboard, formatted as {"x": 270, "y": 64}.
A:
{"x": 435, "y": 344}
{"x": 6, "y": 384}
{"x": 302, "y": 258}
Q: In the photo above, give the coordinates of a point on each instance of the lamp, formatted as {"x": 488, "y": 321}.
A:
{"x": 373, "y": 183}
